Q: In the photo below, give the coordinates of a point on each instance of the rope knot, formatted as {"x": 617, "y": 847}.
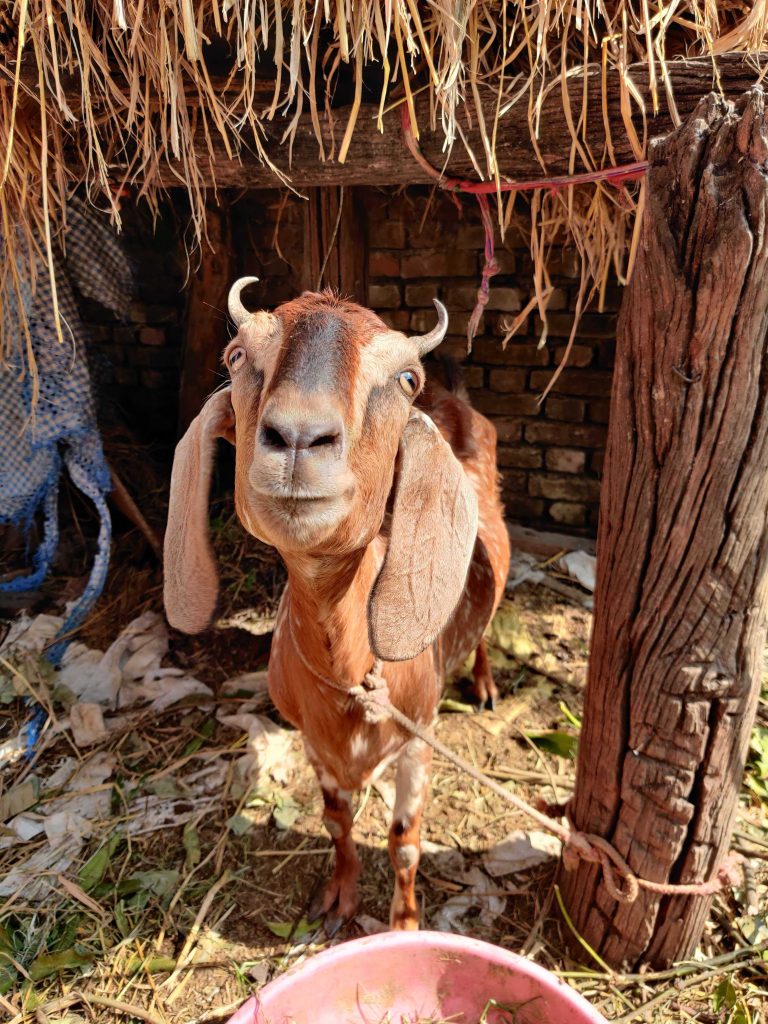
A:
{"x": 373, "y": 695}
{"x": 596, "y": 850}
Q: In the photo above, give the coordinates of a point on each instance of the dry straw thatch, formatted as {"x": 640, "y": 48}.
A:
{"x": 89, "y": 86}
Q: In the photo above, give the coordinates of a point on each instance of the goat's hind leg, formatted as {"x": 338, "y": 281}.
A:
{"x": 338, "y": 901}
{"x": 484, "y": 689}
{"x": 412, "y": 782}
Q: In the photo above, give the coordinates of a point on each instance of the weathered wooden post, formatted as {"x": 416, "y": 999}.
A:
{"x": 681, "y": 600}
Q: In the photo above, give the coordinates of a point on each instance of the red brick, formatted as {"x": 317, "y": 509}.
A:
{"x": 568, "y": 513}
{"x": 566, "y": 264}
{"x": 397, "y": 319}
{"x": 606, "y": 354}
{"x": 455, "y": 346}
{"x": 486, "y": 350}
{"x": 384, "y": 296}
{"x": 579, "y": 356}
{"x": 599, "y": 410}
{"x": 507, "y": 429}
{"x": 152, "y": 336}
{"x": 589, "y": 383}
{"x": 472, "y": 376}
{"x": 591, "y": 325}
{"x": 519, "y": 456}
{"x": 557, "y": 300}
{"x": 386, "y": 234}
{"x": 563, "y": 488}
{"x": 156, "y": 379}
{"x": 503, "y": 323}
{"x": 506, "y": 380}
{"x": 433, "y": 233}
{"x": 514, "y": 481}
{"x": 460, "y": 297}
{"x": 423, "y": 320}
{"x": 439, "y": 263}
{"x": 494, "y": 403}
{"x": 566, "y": 460}
{"x": 508, "y": 261}
{"x": 509, "y": 300}
{"x": 383, "y": 264}
{"x": 566, "y": 434}
{"x": 517, "y": 353}
{"x": 125, "y": 375}
{"x": 569, "y": 409}
{"x": 421, "y": 295}
{"x": 470, "y": 236}
{"x": 525, "y": 509}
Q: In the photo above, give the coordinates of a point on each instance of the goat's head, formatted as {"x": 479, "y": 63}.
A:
{"x": 320, "y": 406}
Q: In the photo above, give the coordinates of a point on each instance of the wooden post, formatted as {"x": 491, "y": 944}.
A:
{"x": 682, "y": 587}
{"x": 335, "y": 242}
{"x": 205, "y": 322}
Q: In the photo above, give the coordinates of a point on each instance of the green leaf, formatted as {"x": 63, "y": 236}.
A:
{"x": 457, "y": 706}
{"x": 573, "y": 720}
{"x": 165, "y": 788}
{"x": 285, "y": 817}
{"x": 203, "y": 733}
{"x": 724, "y": 995}
{"x": 191, "y": 840}
{"x": 53, "y": 963}
{"x": 239, "y": 824}
{"x": 156, "y": 965}
{"x": 160, "y": 883}
{"x": 284, "y": 929}
{"x": 94, "y": 869}
{"x": 559, "y": 743}
{"x": 121, "y": 919}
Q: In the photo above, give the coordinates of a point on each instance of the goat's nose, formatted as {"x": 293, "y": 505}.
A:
{"x": 281, "y": 434}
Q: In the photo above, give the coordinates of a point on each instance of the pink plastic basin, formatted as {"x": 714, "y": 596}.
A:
{"x": 413, "y": 975}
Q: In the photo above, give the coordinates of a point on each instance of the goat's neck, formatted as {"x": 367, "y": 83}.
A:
{"x": 327, "y": 611}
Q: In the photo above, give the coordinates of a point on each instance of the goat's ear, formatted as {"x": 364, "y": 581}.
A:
{"x": 432, "y": 537}
{"x": 191, "y": 580}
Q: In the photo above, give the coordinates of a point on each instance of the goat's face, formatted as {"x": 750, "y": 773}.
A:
{"x": 321, "y": 393}
{"x": 320, "y": 411}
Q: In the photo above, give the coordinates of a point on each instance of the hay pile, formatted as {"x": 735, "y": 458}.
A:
{"x": 148, "y": 87}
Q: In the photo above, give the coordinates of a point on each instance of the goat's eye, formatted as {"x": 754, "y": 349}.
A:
{"x": 409, "y": 382}
{"x": 236, "y": 357}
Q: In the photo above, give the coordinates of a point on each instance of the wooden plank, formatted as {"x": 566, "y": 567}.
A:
{"x": 382, "y": 159}
{"x": 681, "y": 602}
{"x": 206, "y": 324}
{"x": 335, "y": 242}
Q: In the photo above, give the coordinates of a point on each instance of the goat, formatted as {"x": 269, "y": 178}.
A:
{"x": 322, "y": 411}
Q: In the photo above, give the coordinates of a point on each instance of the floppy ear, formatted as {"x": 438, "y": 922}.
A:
{"x": 191, "y": 580}
{"x": 434, "y": 526}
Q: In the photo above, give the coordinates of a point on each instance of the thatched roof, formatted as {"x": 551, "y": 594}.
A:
{"x": 116, "y": 92}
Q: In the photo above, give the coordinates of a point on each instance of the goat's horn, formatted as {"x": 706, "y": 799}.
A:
{"x": 237, "y": 310}
{"x": 427, "y": 342}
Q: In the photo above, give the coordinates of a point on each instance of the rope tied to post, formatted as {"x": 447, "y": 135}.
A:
{"x": 623, "y": 885}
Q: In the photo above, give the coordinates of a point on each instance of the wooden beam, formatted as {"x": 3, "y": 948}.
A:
{"x": 382, "y": 159}
{"x": 205, "y": 324}
{"x": 335, "y": 242}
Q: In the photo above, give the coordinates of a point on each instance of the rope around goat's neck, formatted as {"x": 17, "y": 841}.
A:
{"x": 372, "y": 695}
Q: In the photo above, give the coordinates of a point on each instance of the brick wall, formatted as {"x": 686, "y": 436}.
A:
{"x": 551, "y": 453}
{"x": 420, "y": 246}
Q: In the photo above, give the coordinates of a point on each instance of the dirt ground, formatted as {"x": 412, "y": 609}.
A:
{"x": 180, "y": 923}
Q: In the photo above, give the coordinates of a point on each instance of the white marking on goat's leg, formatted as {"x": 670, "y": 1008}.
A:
{"x": 412, "y": 782}
{"x": 340, "y": 891}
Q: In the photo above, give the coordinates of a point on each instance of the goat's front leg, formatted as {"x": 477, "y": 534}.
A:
{"x": 338, "y": 901}
{"x": 412, "y": 782}
{"x": 484, "y": 688}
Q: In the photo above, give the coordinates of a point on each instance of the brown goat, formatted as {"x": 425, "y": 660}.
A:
{"x": 322, "y": 412}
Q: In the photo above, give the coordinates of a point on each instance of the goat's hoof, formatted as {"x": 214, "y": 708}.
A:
{"x": 490, "y": 703}
{"x": 333, "y": 924}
